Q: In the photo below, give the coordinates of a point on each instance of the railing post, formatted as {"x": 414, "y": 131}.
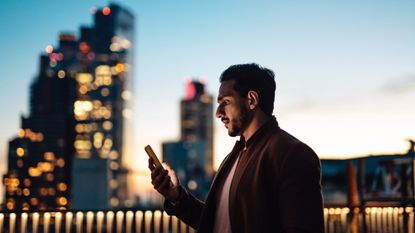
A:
{"x": 352, "y": 197}
{"x": 404, "y": 196}
{"x": 362, "y": 190}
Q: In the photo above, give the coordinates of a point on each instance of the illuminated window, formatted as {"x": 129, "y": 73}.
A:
{"x": 10, "y": 204}
{"x": 21, "y": 133}
{"x": 83, "y": 89}
{"x": 84, "y": 47}
{"x": 26, "y": 192}
{"x": 107, "y": 125}
{"x": 62, "y": 201}
{"x": 25, "y": 206}
{"x": 114, "y": 201}
{"x": 62, "y": 187}
{"x": 61, "y": 74}
{"x": 127, "y": 113}
{"x": 12, "y": 184}
{"x": 20, "y": 152}
{"x": 79, "y": 128}
{"x": 126, "y": 95}
{"x": 105, "y": 92}
{"x": 103, "y": 75}
{"x": 125, "y": 43}
{"x": 51, "y": 191}
{"x": 82, "y": 109}
{"x": 114, "y": 165}
{"x": 19, "y": 192}
{"x": 83, "y": 154}
{"x": 53, "y": 63}
{"x": 98, "y": 138}
{"x": 82, "y": 144}
{"x": 49, "y": 49}
{"x": 113, "y": 155}
{"x": 119, "y": 67}
{"x": 34, "y": 201}
{"x": 107, "y": 144}
{"x": 27, "y": 182}
{"x": 113, "y": 184}
{"x": 84, "y": 78}
{"x": 60, "y": 162}
{"x": 115, "y": 47}
{"x": 34, "y": 172}
{"x": 45, "y": 166}
{"x": 50, "y": 156}
{"x": 50, "y": 177}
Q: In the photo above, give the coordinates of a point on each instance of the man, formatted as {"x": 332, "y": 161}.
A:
{"x": 269, "y": 182}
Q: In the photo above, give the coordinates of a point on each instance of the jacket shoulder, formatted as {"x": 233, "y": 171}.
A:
{"x": 282, "y": 146}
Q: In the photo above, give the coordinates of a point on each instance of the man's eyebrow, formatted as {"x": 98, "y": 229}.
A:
{"x": 220, "y": 97}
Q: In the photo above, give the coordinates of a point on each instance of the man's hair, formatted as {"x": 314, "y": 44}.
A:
{"x": 253, "y": 77}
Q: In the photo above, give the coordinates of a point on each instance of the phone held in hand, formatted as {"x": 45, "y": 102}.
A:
{"x": 152, "y": 155}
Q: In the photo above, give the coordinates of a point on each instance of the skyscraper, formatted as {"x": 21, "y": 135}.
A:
{"x": 39, "y": 165}
{"x": 191, "y": 156}
{"x": 78, "y": 121}
{"x": 102, "y": 110}
{"x": 196, "y": 119}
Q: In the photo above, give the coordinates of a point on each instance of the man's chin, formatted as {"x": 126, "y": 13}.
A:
{"x": 233, "y": 133}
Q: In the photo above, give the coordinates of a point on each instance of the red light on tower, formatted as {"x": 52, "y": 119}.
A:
{"x": 190, "y": 91}
{"x": 106, "y": 11}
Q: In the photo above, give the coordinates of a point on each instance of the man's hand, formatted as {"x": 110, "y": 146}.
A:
{"x": 164, "y": 181}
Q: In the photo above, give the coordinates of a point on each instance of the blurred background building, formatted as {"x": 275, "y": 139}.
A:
{"x": 192, "y": 156}
{"x": 70, "y": 148}
{"x": 370, "y": 180}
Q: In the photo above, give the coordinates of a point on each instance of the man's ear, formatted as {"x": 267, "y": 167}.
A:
{"x": 253, "y": 99}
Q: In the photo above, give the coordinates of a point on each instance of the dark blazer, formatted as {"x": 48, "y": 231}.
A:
{"x": 276, "y": 187}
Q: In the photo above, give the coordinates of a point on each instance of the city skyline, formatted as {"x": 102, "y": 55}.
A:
{"x": 345, "y": 75}
{"x": 77, "y": 130}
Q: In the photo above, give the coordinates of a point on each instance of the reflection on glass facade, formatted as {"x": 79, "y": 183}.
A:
{"x": 79, "y": 117}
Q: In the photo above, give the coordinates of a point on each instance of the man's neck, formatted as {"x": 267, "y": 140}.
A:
{"x": 258, "y": 120}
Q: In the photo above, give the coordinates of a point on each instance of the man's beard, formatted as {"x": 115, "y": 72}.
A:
{"x": 240, "y": 124}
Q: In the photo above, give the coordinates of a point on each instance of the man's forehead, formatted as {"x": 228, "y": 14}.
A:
{"x": 226, "y": 89}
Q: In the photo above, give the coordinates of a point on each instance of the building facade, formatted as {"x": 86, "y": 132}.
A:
{"x": 192, "y": 155}
{"x": 79, "y": 118}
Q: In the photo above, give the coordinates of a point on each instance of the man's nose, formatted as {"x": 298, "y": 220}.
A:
{"x": 219, "y": 112}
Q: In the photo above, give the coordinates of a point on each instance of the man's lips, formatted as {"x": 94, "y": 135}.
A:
{"x": 225, "y": 121}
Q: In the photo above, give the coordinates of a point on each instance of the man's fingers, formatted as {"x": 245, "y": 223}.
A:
{"x": 156, "y": 171}
{"x": 172, "y": 174}
{"x": 158, "y": 178}
{"x": 164, "y": 185}
{"x": 151, "y": 164}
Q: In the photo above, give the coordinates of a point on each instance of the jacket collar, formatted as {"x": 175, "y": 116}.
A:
{"x": 271, "y": 123}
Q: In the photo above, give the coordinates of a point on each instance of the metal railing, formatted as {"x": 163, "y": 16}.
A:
{"x": 336, "y": 220}
{"x": 369, "y": 220}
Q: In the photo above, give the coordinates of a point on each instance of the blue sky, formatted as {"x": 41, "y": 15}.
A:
{"x": 345, "y": 70}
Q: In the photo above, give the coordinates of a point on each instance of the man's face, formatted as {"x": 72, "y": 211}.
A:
{"x": 232, "y": 109}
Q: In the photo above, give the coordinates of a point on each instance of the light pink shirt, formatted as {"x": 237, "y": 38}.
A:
{"x": 222, "y": 222}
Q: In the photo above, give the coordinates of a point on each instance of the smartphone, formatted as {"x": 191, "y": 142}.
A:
{"x": 152, "y": 155}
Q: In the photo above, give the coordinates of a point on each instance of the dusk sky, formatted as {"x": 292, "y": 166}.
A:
{"x": 345, "y": 70}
